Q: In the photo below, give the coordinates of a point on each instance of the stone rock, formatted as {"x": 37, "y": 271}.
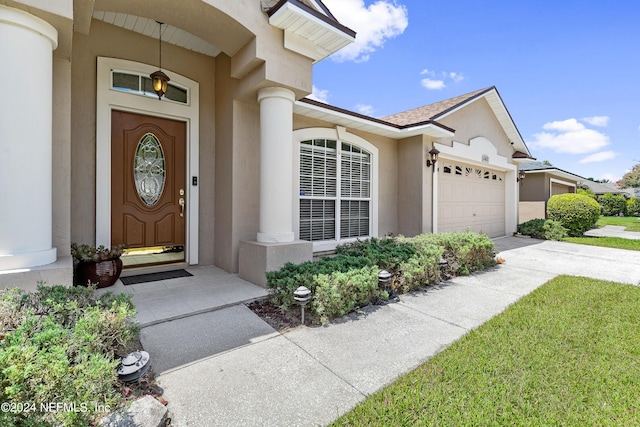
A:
{"x": 147, "y": 412}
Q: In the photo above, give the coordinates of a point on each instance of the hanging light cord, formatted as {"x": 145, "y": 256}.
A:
{"x": 160, "y": 39}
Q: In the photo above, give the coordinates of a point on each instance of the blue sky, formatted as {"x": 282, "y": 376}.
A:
{"x": 568, "y": 71}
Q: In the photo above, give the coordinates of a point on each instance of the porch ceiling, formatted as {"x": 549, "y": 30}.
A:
{"x": 149, "y": 27}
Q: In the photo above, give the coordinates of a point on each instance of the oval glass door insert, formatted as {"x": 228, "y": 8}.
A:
{"x": 149, "y": 169}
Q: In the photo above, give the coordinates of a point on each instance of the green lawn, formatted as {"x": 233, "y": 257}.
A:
{"x": 631, "y": 222}
{"x": 607, "y": 242}
{"x": 567, "y": 354}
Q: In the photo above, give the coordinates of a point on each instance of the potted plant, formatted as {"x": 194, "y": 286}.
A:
{"x": 99, "y": 265}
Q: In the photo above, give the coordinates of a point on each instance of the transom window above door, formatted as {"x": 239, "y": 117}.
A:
{"x": 141, "y": 85}
{"x": 335, "y": 191}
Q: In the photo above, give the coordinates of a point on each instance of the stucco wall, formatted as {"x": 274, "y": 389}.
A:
{"x": 532, "y": 210}
{"x": 477, "y": 119}
{"x": 110, "y": 41}
{"x": 534, "y": 188}
{"x": 414, "y": 200}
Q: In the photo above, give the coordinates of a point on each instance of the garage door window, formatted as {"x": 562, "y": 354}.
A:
{"x": 335, "y": 191}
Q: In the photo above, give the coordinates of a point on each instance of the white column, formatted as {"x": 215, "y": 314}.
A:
{"x": 26, "y": 44}
{"x": 276, "y": 165}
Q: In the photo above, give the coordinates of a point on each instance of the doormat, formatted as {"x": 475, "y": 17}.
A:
{"x": 154, "y": 277}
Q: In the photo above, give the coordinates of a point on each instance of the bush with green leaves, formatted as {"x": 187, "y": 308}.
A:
{"x": 532, "y": 228}
{"x": 339, "y": 293}
{"x": 387, "y": 253}
{"x": 613, "y": 204}
{"x": 465, "y": 252}
{"x": 349, "y": 280}
{"x": 286, "y": 280}
{"x": 587, "y": 192}
{"x": 553, "y": 230}
{"x": 61, "y": 345}
{"x": 543, "y": 229}
{"x": 633, "y": 206}
{"x": 575, "y": 212}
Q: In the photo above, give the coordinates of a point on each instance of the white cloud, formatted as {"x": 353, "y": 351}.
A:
{"x": 374, "y": 24}
{"x": 569, "y": 125}
{"x": 367, "y": 110}
{"x": 602, "y": 121}
{"x": 456, "y": 77}
{"x": 611, "y": 177}
{"x": 599, "y": 157}
{"x": 569, "y": 136}
{"x": 432, "y": 84}
{"x": 320, "y": 95}
{"x": 437, "y": 81}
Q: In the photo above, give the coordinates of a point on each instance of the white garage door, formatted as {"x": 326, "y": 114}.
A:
{"x": 471, "y": 197}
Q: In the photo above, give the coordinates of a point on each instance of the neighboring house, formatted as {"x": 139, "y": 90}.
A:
{"x": 599, "y": 188}
{"x": 234, "y": 167}
{"x": 541, "y": 182}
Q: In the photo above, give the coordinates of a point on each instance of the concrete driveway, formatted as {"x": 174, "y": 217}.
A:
{"x": 311, "y": 376}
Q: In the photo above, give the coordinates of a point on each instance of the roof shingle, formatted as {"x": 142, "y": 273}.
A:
{"x": 432, "y": 111}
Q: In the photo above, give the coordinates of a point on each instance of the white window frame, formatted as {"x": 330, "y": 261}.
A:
{"x": 340, "y": 135}
{"x": 108, "y": 99}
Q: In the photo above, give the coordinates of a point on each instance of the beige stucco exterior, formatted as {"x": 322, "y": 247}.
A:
{"x": 538, "y": 187}
{"x": 255, "y": 61}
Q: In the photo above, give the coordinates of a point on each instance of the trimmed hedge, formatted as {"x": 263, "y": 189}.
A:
{"x": 577, "y": 213}
{"x": 633, "y": 207}
{"x": 349, "y": 280}
{"x": 543, "y": 229}
{"x": 613, "y": 204}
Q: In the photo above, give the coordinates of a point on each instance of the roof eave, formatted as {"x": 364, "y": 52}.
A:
{"x": 558, "y": 172}
{"x": 338, "y": 116}
{"x": 308, "y": 31}
{"x": 502, "y": 114}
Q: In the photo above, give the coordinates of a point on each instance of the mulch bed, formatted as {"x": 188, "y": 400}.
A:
{"x": 279, "y": 319}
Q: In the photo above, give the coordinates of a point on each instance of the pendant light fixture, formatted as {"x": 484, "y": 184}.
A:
{"x": 159, "y": 80}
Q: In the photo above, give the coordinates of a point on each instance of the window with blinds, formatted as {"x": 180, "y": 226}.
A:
{"x": 335, "y": 190}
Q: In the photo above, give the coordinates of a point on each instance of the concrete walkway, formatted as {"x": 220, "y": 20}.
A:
{"x": 613, "y": 231}
{"x": 311, "y": 376}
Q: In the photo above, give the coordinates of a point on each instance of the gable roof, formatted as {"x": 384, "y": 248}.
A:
{"x": 432, "y": 111}
{"x": 341, "y": 117}
{"x": 441, "y": 109}
{"x": 599, "y": 188}
{"x": 539, "y": 167}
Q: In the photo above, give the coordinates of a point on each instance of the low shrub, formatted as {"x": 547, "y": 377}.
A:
{"x": 59, "y": 345}
{"x": 543, "y": 229}
{"x": 533, "y": 228}
{"x": 386, "y": 253}
{"x": 613, "y": 204}
{"x": 553, "y": 230}
{"x": 286, "y": 280}
{"x": 350, "y": 279}
{"x": 633, "y": 206}
{"x": 339, "y": 293}
{"x": 575, "y": 212}
{"x": 465, "y": 252}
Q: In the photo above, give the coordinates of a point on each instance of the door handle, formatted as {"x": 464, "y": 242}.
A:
{"x": 181, "y": 203}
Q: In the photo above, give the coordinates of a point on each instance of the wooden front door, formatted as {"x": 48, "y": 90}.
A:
{"x": 148, "y": 181}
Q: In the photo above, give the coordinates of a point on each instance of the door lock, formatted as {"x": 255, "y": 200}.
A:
{"x": 181, "y": 202}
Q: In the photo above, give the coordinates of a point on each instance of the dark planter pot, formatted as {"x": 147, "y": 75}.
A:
{"x": 102, "y": 273}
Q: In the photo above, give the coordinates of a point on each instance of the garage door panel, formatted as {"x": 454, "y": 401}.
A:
{"x": 473, "y": 200}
